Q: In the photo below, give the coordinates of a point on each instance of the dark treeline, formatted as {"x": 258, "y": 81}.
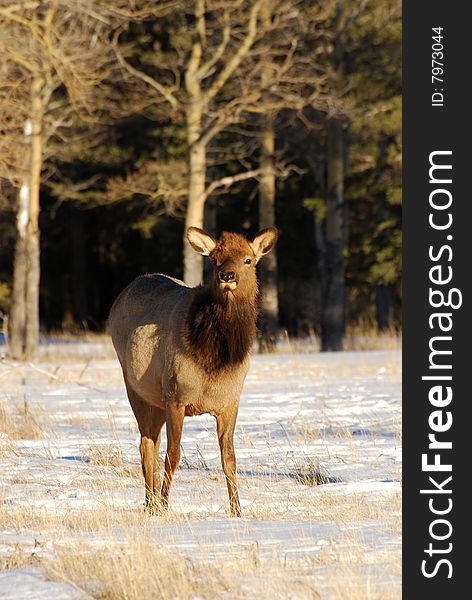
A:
{"x": 121, "y": 127}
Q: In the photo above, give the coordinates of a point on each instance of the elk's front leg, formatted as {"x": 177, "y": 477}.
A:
{"x": 174, "y": 422}
{"x": 157, "y": 420}
{"x": 225, "y": 424}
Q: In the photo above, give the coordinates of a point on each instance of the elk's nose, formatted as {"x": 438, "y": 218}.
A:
{"x": 227, "y": 276}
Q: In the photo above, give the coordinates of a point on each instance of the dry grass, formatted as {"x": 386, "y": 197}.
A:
{"x": 367, "y": 337}
{"x": 138, "y": 567}
{"x": 352, "y": 508}
{"x": 19, "y": 558}
{"x": 116, "y": 553}
{"x": 111, "y": 456}
{"x": 362, "y": 336}
{"x": 21, "y": 421}
{"x": 63, "y": 347}
{"x": 142, "y": 569}
{"x": 106, "y": 544}
{"x": 106, "y": 455}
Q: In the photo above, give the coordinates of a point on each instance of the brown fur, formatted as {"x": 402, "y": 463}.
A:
{"x": 219, "y": 332}
{"x": 184, "y": 351}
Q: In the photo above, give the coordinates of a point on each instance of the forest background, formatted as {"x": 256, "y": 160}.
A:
{"x": 122, "y": 123}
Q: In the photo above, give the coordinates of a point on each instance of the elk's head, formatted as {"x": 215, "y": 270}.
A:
{"x": 234, "y": 258}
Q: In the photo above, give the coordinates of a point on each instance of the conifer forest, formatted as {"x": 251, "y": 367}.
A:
{"x": 122, "y": 123}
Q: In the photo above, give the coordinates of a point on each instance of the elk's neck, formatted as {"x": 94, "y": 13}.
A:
{"x": 220, "y": 331}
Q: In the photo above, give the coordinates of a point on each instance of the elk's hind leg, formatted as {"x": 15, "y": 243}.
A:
{"x": 175, "y": 414}
{"x": 150, "y": 421}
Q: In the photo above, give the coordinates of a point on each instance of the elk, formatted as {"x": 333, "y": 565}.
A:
{"x": 185, "y": 351}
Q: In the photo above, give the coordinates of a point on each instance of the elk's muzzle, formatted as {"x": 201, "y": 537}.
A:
{"x": 227, "y": 280}
{"x": 227, "y": 276}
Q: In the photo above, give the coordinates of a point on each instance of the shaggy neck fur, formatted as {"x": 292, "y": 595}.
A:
{"x": 220, "y": 330}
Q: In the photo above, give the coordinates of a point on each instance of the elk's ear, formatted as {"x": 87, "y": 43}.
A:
{"x": 264, "y": 242}
{"x": 200, "y": 240}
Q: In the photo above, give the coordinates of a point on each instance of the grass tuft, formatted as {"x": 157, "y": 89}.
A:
{"x": 20, "y": 421}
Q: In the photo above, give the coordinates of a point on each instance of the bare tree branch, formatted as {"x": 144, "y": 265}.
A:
{"x": 162, "y": 90}
{"x": 226, "y": 182}
{"x": 234, "y": 62}
{"x": 205, "y": 69}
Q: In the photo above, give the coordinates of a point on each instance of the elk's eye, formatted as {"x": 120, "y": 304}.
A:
{"x": 248, "y": 261}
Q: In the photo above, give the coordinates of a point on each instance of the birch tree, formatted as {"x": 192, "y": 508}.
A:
{"x": 53, "y": 56}
{"x": 200, "y": 77}
{"x": 291, "y": 79}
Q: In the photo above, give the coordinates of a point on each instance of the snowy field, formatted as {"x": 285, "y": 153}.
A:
{"x": 318, "y": 443}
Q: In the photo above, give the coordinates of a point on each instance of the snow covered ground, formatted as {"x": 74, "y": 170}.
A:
{"x": 318, "y": 443}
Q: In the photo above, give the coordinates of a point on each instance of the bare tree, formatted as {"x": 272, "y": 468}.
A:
{"x": 291, "y": 79}
{"x": 194, "y": 73}
{"x": 211, "y": 77}
{"x": 225, "y": 65}
{"x": 53, "y": 55}
{"x": 268, "y": 270}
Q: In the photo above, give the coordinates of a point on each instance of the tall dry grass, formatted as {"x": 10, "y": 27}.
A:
{"x": 19, "y": 420}
{"x": 359, "y": 336}
{"x": 139, "y": 566}
{"x": 118, "y": 552}
{"x": 142, "y": 568}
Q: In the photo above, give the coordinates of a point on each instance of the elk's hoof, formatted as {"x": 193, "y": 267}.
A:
{"x": 154, "y": 506}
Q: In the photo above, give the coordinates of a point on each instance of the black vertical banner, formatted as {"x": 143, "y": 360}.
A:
{"x": 437, "y": 353}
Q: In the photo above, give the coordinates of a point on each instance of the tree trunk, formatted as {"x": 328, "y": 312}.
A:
{"x": 319, "y": 175}
{"x": 79, "y": 269}
{"x": 269, "y": 302}
{"x": 383, "y": 305}
{"x": 319, "y": 272}
{"x": 333, "y": 321}
{"x": 268, "y": 267}
{"x": 193, "y": 262}
{"x": 24, "y": 315}
{"x": 383, "y": 291}
{"x": 210, "y": 226}
{"x": 17, "y": 317}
